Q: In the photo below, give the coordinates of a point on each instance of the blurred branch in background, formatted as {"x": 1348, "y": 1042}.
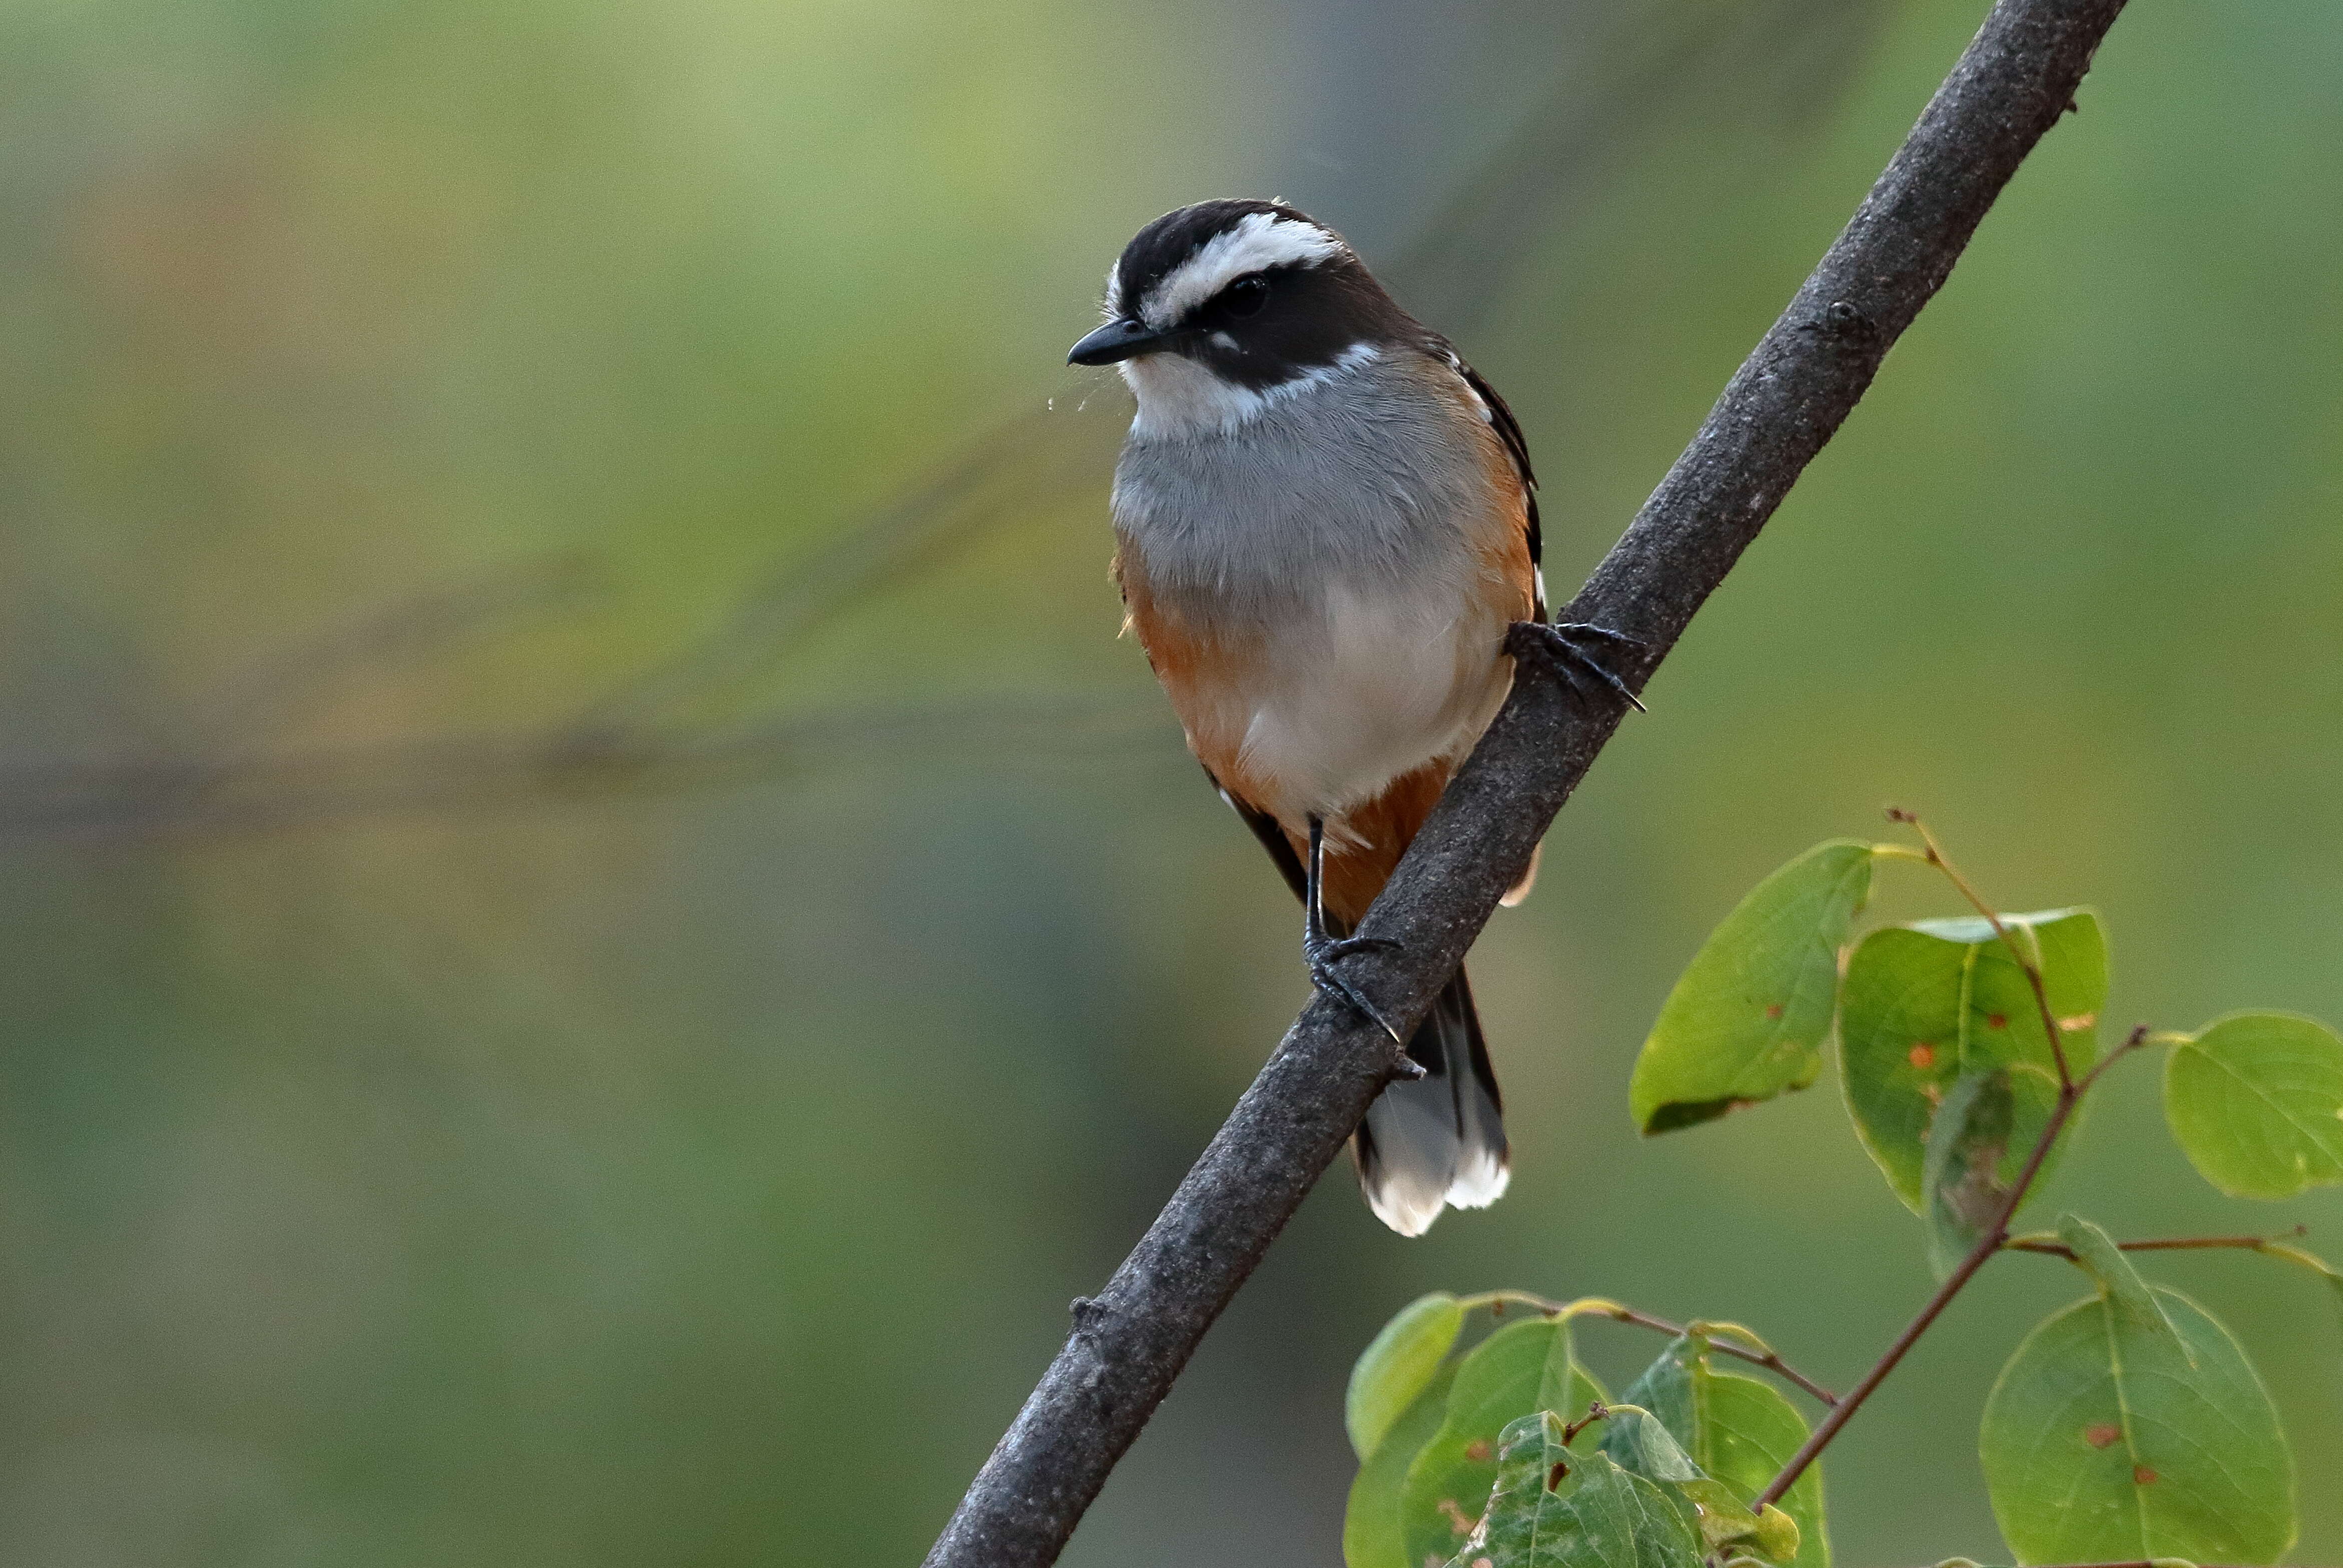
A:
{"x": 193, "y": 782}
{"x": 276, "y": 690}
{"x": 1129, "y": 1344}
{"x": 1781, "y": 60}
{"x": 493, "y": 771}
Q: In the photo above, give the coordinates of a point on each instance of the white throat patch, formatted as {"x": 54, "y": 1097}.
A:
{"x": 1255, "y": 242}
{"x": 1178, "y": 398}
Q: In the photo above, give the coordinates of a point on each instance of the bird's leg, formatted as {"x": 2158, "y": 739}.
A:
{"x": 1557, "y": 644}
{"x": 1323, "y": 951}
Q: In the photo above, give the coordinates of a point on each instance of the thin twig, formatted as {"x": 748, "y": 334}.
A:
{"x": 2135, "y": 1563}
{"x": 2139, "y": 1036}
{"x": 2012, "y": 84}
{"x": 1595, "y": 1411}
{"x": 2070, "y": 1096}
{"x": 2030, "y": 967}
{"x": 2049, "y": 1247}
{"x": 1767, "y": 1357}
{"x": 1756, "y": 1353}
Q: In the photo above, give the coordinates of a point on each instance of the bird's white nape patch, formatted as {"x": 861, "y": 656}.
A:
{"x": 1179, "y": 396}
{"x": 1253, "y": 243}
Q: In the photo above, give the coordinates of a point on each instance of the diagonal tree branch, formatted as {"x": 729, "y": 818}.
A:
{"x": 2011, "y": 86}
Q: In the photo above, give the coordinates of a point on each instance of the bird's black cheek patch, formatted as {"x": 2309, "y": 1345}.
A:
{"x": 1256, "y": 367}
{"x": 1312, "y": 317}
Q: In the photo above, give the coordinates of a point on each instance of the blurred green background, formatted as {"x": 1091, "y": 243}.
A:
{"x": 584, "y": 981}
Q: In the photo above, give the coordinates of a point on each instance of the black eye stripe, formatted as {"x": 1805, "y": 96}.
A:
{"x": 1245, "y": 296}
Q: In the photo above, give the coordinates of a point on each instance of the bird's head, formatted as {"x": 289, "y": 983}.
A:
{"x": 1213, "y": 309}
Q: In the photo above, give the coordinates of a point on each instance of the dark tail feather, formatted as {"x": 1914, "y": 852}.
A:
{"x": 1439, "y": 1140}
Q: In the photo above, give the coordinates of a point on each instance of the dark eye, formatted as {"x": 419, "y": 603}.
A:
{"x": 1245, "y": 296}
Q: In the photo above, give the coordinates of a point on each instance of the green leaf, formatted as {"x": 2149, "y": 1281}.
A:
{"x": 1926, "y": 1005}
{"x": 2128, "y": 1296}
{"x": 1520, "y": 1370}
{"x": 1960, "y": 1179}
{"x": 1637, "y": 1440}
{"x": 1777, "y": 1538}
{"x": 1371, "y": 1536}
{"x": 2130, "y": 1425}
{"x": 1729, "y": 1528}
{"x": 1724, "y": 1521}
{"x": 1746, "y": 1018}
{"x": 1674, "y": 1387}
{"x": 2256, "y": 1101}
{"x": 1739, "y": 1431}
{"x": 1396, "y": 1365}
{"x": 1551, "y": 1508}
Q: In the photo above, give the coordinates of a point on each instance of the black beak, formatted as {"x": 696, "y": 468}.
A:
{"x": 1117, "y": 339}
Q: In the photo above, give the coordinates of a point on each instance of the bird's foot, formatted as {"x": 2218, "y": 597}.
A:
{"x": 1322, "y": 952}
{"x": 1558, "y": 645}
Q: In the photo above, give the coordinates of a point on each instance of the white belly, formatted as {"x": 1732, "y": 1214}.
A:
{"x": 1331, "y": 558}
{"x": 1339, "y": 704}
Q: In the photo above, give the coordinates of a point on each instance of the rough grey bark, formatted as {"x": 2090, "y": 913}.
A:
{"x": 2015, "y": 79}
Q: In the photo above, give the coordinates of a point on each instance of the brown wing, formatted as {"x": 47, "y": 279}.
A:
{"x": 1509, "y": 435}
{"x": 1509, "y": 431}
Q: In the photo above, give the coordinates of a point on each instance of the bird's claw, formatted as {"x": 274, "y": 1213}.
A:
{"x": 1588, "y": 629}
{"x": 1323, "y": 953}
{"x": 1555, "y": 642}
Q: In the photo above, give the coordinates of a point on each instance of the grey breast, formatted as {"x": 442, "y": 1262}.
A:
{"x": 1367, "y": 478}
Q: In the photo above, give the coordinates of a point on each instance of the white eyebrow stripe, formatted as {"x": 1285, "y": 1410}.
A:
{"x": 1257, "y": 241}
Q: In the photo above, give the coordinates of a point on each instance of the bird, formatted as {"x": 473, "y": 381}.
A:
{"x": 1326, "y": 526}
